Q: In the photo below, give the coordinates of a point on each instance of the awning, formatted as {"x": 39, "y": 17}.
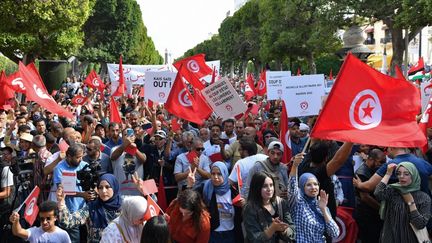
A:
{"x": 375, "y": 60}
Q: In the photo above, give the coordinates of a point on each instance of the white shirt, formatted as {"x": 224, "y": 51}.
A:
{"x": 182, "y": 165}
{"x": 6, "y": 178}
{"x": 245, "y": 166}
{"x": 37, "y": 235}
{"x": 226, "y": 212}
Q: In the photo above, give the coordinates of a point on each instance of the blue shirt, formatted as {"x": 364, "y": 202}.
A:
{"x": 72, "y": 203}
{"x": 423, "y": 167}
{"x": 111, "y": 144}
{"x": 298, "y": 147}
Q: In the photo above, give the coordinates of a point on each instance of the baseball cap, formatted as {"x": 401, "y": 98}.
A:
{"x": 160, "y": 133}
{"x": 27, "y": 137}
{"x": 276, "y": 145}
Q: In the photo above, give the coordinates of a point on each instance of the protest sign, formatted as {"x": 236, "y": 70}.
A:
{"x": 275, "y": 83}
{"x": 302, "y": 94}
{"x": 133, "y": 74}
{"x": 224, "y": 100}
{"x": 158, "y": 85}
{"x": 425, "y": 94}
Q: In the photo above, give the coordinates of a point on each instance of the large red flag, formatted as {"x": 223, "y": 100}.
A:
{"x": 114, "y": 112}
{"x": 94, "y": 81}
{"x": 368, "y": 107}
{"x": 35, "y": 91}
{"x": 399, "y": 73}
{"x": 121, "y": 88}
{"x": 32, "y": 67}
{"x": 6, "y": 92}
{"x": 261, "y": 85}
{"x": 285, "y": 135}
{"x": 249, "y": 88}
{"x": 14, "y": 81}
{"x": 31, "y": 210}
{"x": 182, "y": 104}
{"x": 193, "y": 69}
{"x": 201, "y": 106}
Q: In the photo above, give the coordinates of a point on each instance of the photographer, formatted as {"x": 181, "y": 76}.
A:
{"x": 73, "y": 163}
{"x": 6, "y": 184}
{"x": 127, "y": 159}
{"x": 95, "y": 156}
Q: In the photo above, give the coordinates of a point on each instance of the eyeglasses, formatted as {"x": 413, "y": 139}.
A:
{"x": 199, "y": 149}
{"x": 42, "y": 219}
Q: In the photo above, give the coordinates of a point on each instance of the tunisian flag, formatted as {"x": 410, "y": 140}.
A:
{"x": 285, "y": 135}
{"x": 261, "y": 87}
{"x": 249, "y": 88}
{"x": 153, "y": 209}
{"x": 366, "y": 106}
{"x": 79, "y": 100}
{"x": 31, "y": 210}
{"x": 121, "y": 88}
{"x": 114, "y": 112}
{"x": 426, "y": 122}
{"x": 35, "y": 91}
{"x": 94, "y": 81}
{"x": 161, "y": 192}
{"x": 418, "y": 67}
{"x": 182, "y": 104}
{"x": 6, "y": 92}
{"x": 193, "y": 69}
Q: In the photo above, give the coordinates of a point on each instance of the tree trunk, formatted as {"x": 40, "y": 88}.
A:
{"x": 103, "y": 70}
{"x": 398, "y": 45}
{"x": 311, "y": 63}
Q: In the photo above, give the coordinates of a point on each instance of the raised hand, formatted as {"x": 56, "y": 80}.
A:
{"x": 191, "y": 177}
{"x": 323, "y": 200}
{"x": 390, "y": 168}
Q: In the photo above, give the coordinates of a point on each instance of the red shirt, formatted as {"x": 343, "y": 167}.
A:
{"x": 184, "y": 231}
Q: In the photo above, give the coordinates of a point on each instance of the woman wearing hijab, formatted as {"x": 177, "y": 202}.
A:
{"x": 311, "y": 216}
{"x": 95, "y": 214}
{"x": 127, "y": 228}
{"x": 402, "y": 204}
{"x": 225, "y": 217}
{"x": 266, "y": 216}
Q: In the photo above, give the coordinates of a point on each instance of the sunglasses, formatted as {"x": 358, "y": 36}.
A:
{"x": 199, "y": 149}
{"x": 42, "y": 219}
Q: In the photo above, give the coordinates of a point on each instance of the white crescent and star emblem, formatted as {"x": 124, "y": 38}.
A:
{"x": 30, "y": 208}
{"x": 41, "y": 93}
{"x": 95, "y": 82}
{"x": 425, "y": 116}
{"x": 261, "y": 84}
{"x": 365, "y": 111}
{"x": 18, "y": 82}
{"x": 183, "y": 98}
{"x": 152, "y": 211}
{"x": 79, "y": 100}
{"x": 193, "y": 66}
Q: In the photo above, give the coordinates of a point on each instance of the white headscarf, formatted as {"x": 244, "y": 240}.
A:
{"x": 132, "y": 209}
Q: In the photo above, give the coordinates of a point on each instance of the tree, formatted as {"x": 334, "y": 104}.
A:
{"x": 116, "y": 27}
{"x": 397, "y": 15}
{"x": 42, "y": 29}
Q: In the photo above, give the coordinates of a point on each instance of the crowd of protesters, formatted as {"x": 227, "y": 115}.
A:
{"x": 224, "y": 180}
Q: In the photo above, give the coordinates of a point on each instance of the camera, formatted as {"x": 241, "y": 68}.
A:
{"x": 22, "y": 168}
{"x": 89, "y": 176}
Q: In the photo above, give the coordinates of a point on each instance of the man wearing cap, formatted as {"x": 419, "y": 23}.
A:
{"x": 304, "y": 130}
{"x": 25, "y": 143}
{"x": 274, "y": 167}
{"x": 158, "y": 157}
{"x": 39, "y": 146}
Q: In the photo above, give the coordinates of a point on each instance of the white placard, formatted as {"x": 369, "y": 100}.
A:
{"x": 134, "y": 74}
{"x": 69, "y": 182}
{"x": 275, "y": 81}
{"x": 158, "y": 85}
{"x": 425, "y": 94}
{"x": 302, "y": 95}
{"x": 224, "y": 100}
{"x": 216, "y": 65}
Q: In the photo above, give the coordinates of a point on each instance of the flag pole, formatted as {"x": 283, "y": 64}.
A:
{"x": 306, "y": 144}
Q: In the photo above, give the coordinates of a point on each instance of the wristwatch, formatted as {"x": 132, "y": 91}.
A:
{"x": 410, "y": 203}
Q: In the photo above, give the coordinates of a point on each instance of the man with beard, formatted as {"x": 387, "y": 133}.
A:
{"x": 367, "y": 207}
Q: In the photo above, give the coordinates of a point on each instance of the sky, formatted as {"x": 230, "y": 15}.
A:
{"x": 179, "y": 25}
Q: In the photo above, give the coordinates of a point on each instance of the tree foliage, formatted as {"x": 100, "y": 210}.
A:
{"x": 275, "y": 31}
{"x": 116, "y": 27}
{"x": 45, "y": 29}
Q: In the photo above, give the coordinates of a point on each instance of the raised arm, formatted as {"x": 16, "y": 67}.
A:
{"x": 339, "y": 158}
